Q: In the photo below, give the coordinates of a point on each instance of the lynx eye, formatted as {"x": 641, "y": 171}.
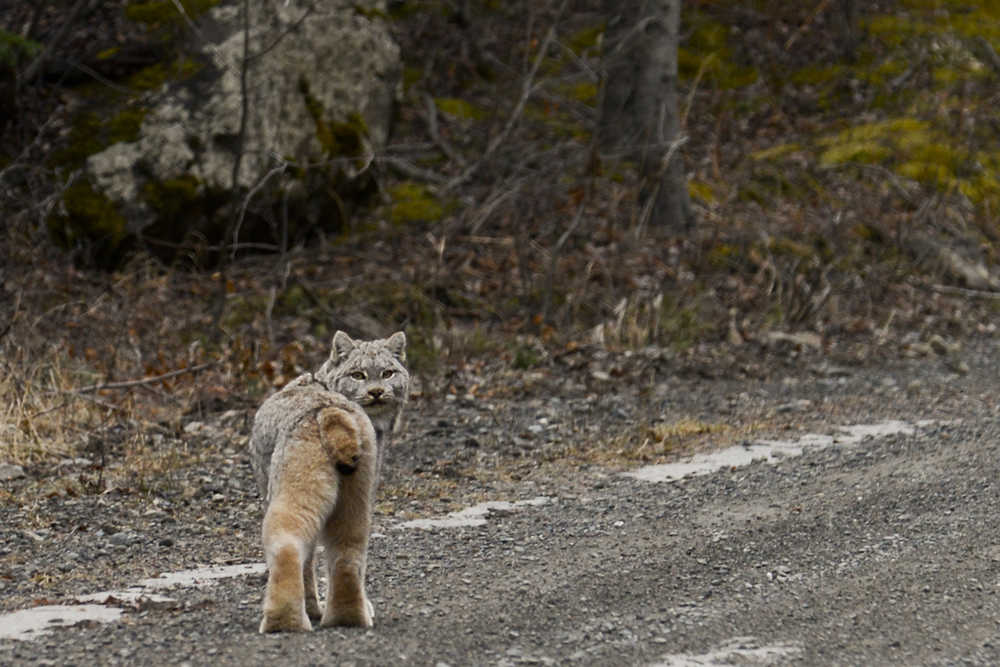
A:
{"x": 388, "y": 373}
{"x": 358, "y": 375}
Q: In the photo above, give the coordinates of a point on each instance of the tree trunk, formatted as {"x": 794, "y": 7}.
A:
{"x": 639, "y": 116}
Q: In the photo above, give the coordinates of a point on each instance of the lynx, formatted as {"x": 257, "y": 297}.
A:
{"x": 316, "y": 449}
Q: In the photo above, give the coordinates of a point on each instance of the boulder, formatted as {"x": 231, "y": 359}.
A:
{"x": 319, "y": 86}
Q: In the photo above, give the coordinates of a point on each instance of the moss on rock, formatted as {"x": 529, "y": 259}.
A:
{"x": 88, "y": 218}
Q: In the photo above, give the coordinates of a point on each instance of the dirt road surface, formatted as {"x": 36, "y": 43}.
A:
{"x": 835, "y": 545}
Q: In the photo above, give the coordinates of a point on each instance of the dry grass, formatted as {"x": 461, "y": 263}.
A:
{"x": 655, "y": 442}
{"x": 42, "y": 418}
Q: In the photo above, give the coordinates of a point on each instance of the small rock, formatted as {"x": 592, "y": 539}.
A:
{"x": 9, "y": 471}
{"x": 913, "y": 350}
{"x": 192, "y": 428}
{"x": 800, "y": 339}
{"x": 958, "y": 366}
{"x": 795, "y": 406}
{"x": 938, "y": 344}
{"x": 122, "y": 538}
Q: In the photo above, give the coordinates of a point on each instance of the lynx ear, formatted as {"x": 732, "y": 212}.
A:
{"x": 396, "y": 343}
{"x": 342, "y": 346}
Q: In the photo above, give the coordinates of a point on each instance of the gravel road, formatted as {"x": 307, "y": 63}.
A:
{"x": 858, "y": 551}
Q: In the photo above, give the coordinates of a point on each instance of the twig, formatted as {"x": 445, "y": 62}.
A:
{"x": 694, "y": 88}
{"x": 150, "y": 380}
{"x": 961, "y": 291}
{"x": 486, "y": 210}
{"x": 802, "y": 29}
{"x": 407, "y": 168}
{"x": 432, "y": 129}
{"x": 989, "y": 52}
{"x": 280, "y": 169}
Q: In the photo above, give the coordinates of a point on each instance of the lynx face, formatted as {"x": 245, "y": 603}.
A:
{"x": 370, "y": 373}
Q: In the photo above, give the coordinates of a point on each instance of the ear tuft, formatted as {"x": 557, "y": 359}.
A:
{"x": 342, "y": 346}
{"x": 396, "y": 343}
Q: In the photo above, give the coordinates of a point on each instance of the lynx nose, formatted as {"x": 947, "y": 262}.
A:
{"x": 376, "y": 392}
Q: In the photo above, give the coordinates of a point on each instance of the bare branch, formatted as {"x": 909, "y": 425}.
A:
{"x": 144, "y": 381}
{"x": 432, "y": 129}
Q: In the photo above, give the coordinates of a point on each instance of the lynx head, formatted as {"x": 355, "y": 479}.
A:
{"x": 370, "y": 373}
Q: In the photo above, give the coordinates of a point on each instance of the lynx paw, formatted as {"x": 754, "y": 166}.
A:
{"x": 285, "y": 620}
{"x": 362, "y": 616}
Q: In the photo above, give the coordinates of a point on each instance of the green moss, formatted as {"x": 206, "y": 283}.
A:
{"x": 126, "y": 124}
{"x": 15, "y": 49}
{"x": 371, "y": 13}
{"x": 338, "y": 139}
{"x": 865, "y": 152}
{"x": 706, "y": 53}
{"x": 818, "y": 74}
{"x": 873, "y": 143}
{"x": 84, "y": 140}
{"x": 154, "y": 76}
{"x": 88, "y": 215}
{"x": 583, "y": 91}
{"x": 163, "y": 13}
{"x": 894, "y": 30}
{"x": 586, "y": 39}
{"x": 783, "y": 246}
{"x": 776, "y": 152}
{"x": 412, "y": 202}
{"x": 701, "y": 191}
{"x": 459, "y": 108}
{"x": 172, "y": 198}
{"x": 411, "y": 77}
{"x": 723, "y": 255}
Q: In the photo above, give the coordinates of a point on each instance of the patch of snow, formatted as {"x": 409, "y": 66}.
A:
{"x": 202, "y": 576}
{"x": 769, "y": 451}
{"x": 32, "y": 623}
{"x": 736, "y": 651}
{"x": 475, "y": 515}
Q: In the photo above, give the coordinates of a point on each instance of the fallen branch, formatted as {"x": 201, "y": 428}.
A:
{"x": 962, "y": 291}
{"x": 125, "y": 384}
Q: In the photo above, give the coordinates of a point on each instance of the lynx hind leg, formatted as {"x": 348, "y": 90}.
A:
{"x": 347, "y": 602}
{"x": 284, "y": 599}
{"x": 289, "y": 539}
{"x": 345, "y": 537}
{"x": 339, "y": 432}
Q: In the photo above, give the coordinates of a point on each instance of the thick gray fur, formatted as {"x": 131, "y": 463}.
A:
{"x": 371, "y": 373}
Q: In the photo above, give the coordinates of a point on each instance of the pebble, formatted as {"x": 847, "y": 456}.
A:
{"x": 795, "y": 406}
{"x": 9, "y": 471}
